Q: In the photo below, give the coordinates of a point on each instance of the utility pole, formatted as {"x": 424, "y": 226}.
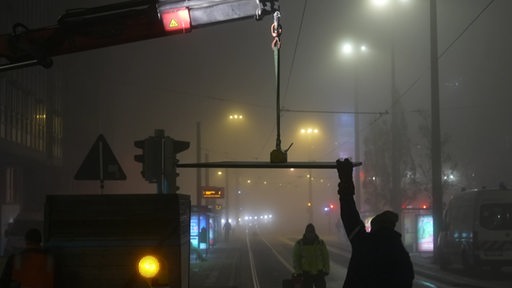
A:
{"x": 396, "y": 141}
{"x": 357, "y": 143}
{"x": 226, "y": 195}
{"x": 310, "y": 196}
{"x": 437, "y": 189}
{"x": 199, "y": 193}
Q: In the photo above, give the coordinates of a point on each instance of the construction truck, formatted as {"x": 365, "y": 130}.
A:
{"x": 86, "y": 29}
{"x": 123, "y": 240}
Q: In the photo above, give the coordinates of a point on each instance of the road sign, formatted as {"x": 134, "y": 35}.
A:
{"x": 100, "y": 163}
{"x": 213, "y": 192}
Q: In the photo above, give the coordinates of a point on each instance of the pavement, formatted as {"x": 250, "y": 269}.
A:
{"x": 216, "y": 267}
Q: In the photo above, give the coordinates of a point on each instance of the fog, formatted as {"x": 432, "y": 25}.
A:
{"x": 178, "y": 82}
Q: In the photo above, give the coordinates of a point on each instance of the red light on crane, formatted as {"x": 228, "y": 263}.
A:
{"x": 176, "y": 19}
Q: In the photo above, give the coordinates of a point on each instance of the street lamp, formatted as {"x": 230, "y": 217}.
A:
{"x": 235, "y": 117}
{"x": 352, "y": 50}
{"x": 224, "y": 174}
{"x": 310, "y": 132}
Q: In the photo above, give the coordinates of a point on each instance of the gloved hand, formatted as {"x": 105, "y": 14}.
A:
{"x": 345, "y": 168}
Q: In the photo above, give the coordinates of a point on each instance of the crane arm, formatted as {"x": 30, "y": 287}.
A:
{"x": 114, "y": 24}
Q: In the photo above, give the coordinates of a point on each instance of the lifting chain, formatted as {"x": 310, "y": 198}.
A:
{"x": 276, "y": 30}
{"x": 278, "y": 155}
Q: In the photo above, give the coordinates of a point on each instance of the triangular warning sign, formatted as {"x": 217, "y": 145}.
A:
{"x": 173, "y": 23}
{"x": 100, "y": 163}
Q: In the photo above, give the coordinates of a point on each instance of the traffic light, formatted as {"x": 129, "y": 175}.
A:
{"x": 141, "y": 144}
{"x": 172, "y": 148}
{"x": 151, "y": 158}
{"x": 158, "y": 159}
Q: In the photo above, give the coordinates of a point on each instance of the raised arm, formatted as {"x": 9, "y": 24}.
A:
{"x": 346, "y": 191}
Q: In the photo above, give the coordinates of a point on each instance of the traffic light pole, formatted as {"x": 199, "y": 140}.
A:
{"x": 161, "y": 187}
{"x": 159, "y": 160}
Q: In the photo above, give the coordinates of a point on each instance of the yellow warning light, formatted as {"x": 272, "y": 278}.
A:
{"x": 309, "y": 204}
{"x": 149, "y": 266}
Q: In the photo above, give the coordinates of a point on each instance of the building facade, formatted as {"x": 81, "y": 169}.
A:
{"x": 31, "y": 125}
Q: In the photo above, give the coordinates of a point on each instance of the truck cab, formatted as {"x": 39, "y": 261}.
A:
{"x": 109, "y": 240}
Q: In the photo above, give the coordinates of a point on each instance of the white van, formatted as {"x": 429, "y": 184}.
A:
{"x": 477, "y": 230}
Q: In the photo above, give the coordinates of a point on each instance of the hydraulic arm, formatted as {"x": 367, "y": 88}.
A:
{"x": 91, "y": 28}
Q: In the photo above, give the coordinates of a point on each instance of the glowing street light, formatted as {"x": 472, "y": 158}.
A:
{"x": 384, "y": 3}
{"x": 236, "y": 117}
{"x": 380, "y": 3}
{"x": 349, "y": 48}
{"x": 309, "y": 131}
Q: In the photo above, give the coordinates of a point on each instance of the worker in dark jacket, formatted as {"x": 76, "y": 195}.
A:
{"x": 379, "y": 258}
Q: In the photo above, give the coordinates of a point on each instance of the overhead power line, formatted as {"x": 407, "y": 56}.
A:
{"x": 333, "y": 112}
{"x": 466, "y": 29}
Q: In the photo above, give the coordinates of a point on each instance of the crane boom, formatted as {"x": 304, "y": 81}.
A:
{"x": 85, "y": 29}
